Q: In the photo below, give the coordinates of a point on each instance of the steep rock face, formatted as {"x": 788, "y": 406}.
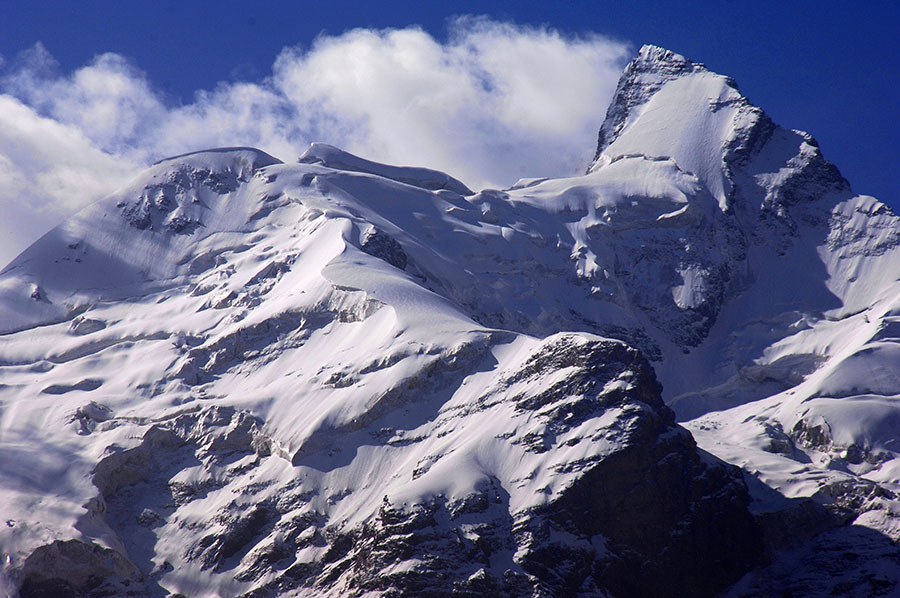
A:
{"x": 644, "y": 76}
{"x": 650, "y": 496}
{"x": 669, "y": 108}
{"x": 659, "y": 506}
{"x": 592, "y": 489}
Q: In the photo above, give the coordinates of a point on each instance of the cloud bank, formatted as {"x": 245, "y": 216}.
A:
{"x": 490, "y": 104}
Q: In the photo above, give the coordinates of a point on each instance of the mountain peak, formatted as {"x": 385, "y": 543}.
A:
{"x": 669, "y": 107}
{"x": 344, "y": 378}
{"x": 646, "y": 74}
{"x": 656, "y": 59}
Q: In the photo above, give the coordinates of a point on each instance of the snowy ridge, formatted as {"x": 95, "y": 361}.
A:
{"x": 332, "y": 157}
{"x": 238, "y": 376}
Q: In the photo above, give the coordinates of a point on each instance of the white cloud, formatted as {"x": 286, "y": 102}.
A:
{"x": 493, "y": 103}
{"x": 47, "y": 171}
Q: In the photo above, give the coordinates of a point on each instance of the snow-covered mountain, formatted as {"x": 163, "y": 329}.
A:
{"x": 242, "y": 377}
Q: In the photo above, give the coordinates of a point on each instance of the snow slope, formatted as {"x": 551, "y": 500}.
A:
{"x": 239, "y": 403}
{"x": 238, "y": 376}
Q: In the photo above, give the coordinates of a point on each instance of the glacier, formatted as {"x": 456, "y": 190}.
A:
{"x": 674, "y": 375}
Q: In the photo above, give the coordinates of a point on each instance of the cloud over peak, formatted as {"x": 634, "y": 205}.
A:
{"x": 493, "y": 102}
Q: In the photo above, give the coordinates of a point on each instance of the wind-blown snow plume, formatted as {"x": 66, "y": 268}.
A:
{"x": 492, "y": 102}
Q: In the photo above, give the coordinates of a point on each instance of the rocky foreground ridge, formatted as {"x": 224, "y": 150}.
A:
{"x": 241, "y": 377}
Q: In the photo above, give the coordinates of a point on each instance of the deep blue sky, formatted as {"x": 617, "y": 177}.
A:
{"x": 830, "y": 68}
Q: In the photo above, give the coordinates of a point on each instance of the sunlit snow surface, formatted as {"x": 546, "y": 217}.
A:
{"x": 365, "y": 314}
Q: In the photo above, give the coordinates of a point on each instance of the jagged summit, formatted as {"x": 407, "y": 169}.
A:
{"x": 644, "y": 75}
{"x": 651, "y": 58}
{"x": 666, "y": 106}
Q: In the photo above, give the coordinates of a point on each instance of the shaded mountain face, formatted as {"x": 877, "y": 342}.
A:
{"x": 238, "y": 376}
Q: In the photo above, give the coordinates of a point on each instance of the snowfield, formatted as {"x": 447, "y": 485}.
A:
{"x": 677, "y": 374}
